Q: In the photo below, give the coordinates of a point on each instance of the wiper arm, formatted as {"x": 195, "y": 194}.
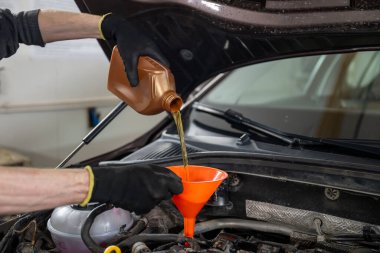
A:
{"x": 237, "y": 119}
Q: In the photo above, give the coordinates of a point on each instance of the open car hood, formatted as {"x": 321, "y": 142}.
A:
{"x": 202, "y": 38}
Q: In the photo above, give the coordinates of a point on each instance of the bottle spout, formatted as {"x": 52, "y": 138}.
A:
{"x": 172, "y": 102}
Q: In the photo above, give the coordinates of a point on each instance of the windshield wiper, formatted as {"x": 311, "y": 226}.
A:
{"x": 240, "y": 122}
{"x": 237, "y": 120}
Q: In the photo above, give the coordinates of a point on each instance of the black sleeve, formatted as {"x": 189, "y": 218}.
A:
{"x": 20, "y": 28}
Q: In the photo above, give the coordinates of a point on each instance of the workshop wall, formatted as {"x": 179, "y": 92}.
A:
{"x": 46, "y": 94}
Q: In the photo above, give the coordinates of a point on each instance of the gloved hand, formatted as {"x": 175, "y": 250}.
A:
{"x": 132, "y": 43}
{"x": 135, "y": 188}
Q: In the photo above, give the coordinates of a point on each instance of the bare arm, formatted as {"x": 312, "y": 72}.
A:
{"x": 60, "y": 25}
{"x": 28, "y": 189}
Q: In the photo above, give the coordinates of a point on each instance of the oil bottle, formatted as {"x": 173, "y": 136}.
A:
{"x": 155, "y": 91}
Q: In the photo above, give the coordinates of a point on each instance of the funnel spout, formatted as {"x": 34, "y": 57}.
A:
{"x": 189, "y": 224}
{"x": 197, "y": 189}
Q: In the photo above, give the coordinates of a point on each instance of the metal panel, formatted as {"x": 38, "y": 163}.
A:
{"x": 301, "y": 218}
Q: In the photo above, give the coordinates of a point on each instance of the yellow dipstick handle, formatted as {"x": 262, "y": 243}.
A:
{"x": 112, "y": 249}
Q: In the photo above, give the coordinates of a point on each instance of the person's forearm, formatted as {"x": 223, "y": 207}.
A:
{"x": 27, "y": 189}
{"x": 61, "y": 25}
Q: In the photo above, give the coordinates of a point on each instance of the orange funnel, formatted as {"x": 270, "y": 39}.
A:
{"x": 202, "y": 183}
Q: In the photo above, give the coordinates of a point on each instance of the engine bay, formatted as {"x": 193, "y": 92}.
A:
{"x": 269, "y": 203}
{"x": 248, "y": 213}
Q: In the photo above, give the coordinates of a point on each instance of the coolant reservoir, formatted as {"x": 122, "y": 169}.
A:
{"x": 66, "y": 222}
{"x": 155, "y": 91}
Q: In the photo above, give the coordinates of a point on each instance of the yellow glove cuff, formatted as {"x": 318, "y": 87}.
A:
{"x": 100, "y": 25}
{"x": 90, "y": 188}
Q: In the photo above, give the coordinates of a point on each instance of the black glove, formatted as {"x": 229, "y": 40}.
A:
{"x": 135, "y": 188}
{"x": 132, "y": 43}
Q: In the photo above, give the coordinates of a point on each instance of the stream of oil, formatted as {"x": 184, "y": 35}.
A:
{"x": 178, "y": 121}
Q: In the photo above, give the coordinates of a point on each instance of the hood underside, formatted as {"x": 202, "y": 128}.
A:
{"x": 202, "y": 38}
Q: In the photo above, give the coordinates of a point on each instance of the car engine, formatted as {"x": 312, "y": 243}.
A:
{"x": 274, "y": 229}
{"x": 263, "y": 207}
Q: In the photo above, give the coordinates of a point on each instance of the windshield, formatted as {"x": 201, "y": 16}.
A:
{"x": 325, "y": 96}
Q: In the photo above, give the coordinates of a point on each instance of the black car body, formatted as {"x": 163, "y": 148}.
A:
{"x": 299, "y": 134}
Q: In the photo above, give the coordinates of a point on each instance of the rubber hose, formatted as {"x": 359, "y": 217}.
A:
{"x": 85, "y": 232}
{"x": 136, "y": 229}
{"x": 209, "y": 226}
{"x": 127, "y": 243}
{"x": 242, "y": 224}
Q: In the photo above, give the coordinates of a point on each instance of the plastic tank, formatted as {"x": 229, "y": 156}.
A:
{"x": 66, "y": 223}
